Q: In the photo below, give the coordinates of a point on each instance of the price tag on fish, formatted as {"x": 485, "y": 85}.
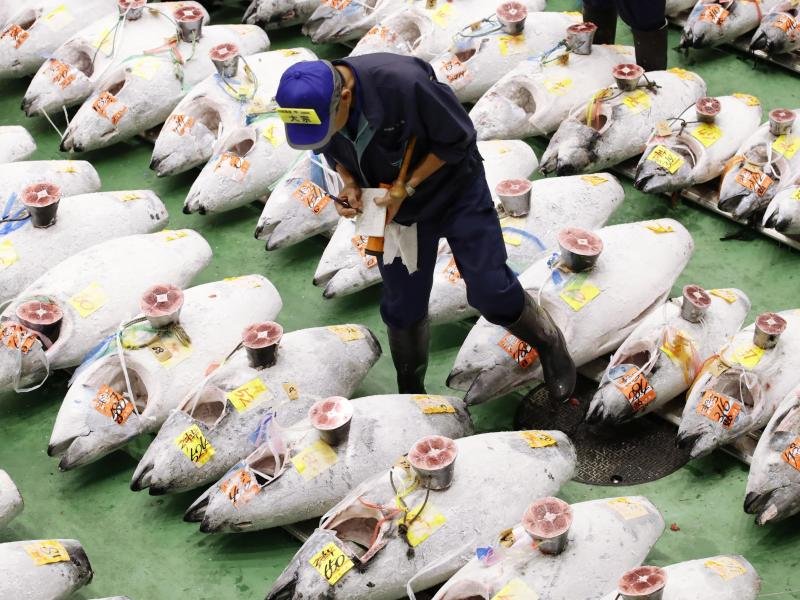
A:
{"x": 756, "y": 181}
{"x": 665, "y": 158}
{"x": 145, "y": 67}
{"x": 594, "y": 179}
{"x": 274, "y": 132}
{"x": 707, "y": 134}
{"x": 195, "y": 446}
{"x": 337, "y": 4}
{"x": 637, "y": 101}
{"x": 796, "y": 194}
{"x": 538, "y": 439}
{"x": 248, "y": 395}
{"x": 627, "y": 508}
{"x": 719, "y": 408}
{"x": 111, "y": 403}
{"x": 103, "y": 105}
{"x": 232, "y": 166}
{"x": 726, "y": 294}
{"x": 579, "y": 292}
{"x": 8, "y": 254}
{"x": 788, "y": 145}
{"x": 312, "y": 196}
{"x": 658, "y": 227}
{"x": 292, "y": 393}
{"x": 558, "y": 87}
{"x": 682, "y": 74}
{"x": 170, "y": 348}
{"x": 726, "y": 567}
{"x": 714, "y": 13}
{"x": 315, "y": 459}
{"x": 455, "y": 72}
{"x": 331, "y": 563}
{"x": 424, "y": 524}
{"x": 47, "y": 552}
{"x": 16, "y": 34}
{"x": 360, "y": 244}
{"x": 451, "y": 271}
{"x": 636, "y": 389}
{"x": 58, "y": 18}
{"x": 442, "y": 15}
{"x": 434, "y": 405}
{"x": 747, "y": 355}
{"x": 511, "y": 44}
{"x": 240, "y": 487}
{"x": 347, "y": 333}
{"x": 60, "y": 73}
{"x": 16, "y": 337}
{"x": 791, "y": 456}
{"x": 523, "y": 354}
{"x": 89, "y": 300}
{"x": 516, "y": 589}
{"x": 180, "y": 124}
{"x": 748, "y": 99}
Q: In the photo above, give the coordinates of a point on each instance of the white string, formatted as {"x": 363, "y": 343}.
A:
{"x": 452, "y": 556}
{"x": 49, "y": 120}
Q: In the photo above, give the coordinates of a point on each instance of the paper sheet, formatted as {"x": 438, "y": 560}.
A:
{"x": 372, "y": 220}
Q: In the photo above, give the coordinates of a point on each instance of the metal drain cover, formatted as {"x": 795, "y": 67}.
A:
{"x": 638, "y": 452}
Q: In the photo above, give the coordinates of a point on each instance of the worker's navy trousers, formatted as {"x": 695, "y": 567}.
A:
{"x": 644, "y": 15}
{"x": 472, "y": 228}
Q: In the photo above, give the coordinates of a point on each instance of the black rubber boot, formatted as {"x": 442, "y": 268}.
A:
{"x": 606, "y": 21}
{"x": 651, "y": 48}
{"x": 536, "y": 327}
{"x": 409, "y": 349}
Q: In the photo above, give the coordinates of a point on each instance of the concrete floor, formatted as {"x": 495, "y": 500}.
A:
{"x": 139, "y": 545}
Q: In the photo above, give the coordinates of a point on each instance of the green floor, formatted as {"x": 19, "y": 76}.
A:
{"x": 139, "y": 545}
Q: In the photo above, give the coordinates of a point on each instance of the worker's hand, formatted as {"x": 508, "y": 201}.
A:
{"x": 392, "y": 201}
{"x": 352, "y": 193}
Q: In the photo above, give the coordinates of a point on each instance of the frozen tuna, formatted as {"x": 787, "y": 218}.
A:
{"x": 275, "y": 14}
{"x": 225, "y": 417}
{"x": 102, "y": 411}
{"x": 683, "y": 152}
{"x": 712, "y": 23}
{"x": 43, "y": 569}
{"x": 218, "y": 106}
{"x": 535, "y": 97}
{"x": 614, "y": 125}
{"x": 72, "y": 177}
{"x": 783, "y": 211}
{"x": 777, "y": 33}
{"x": 15, "y": 143}
{"x": 344, "y": 20}
{"x": 773, "y": 486}
{"x": 69, "y": 74}
{"x": 595, "y": 309}
{"x": 140, "y": 94}
{"x": 739, "y": 390}
{"x": 30, "y": 251}
{"x": 265, "y": 490}
{"x": 401, "y": 532}
{"x": 604, "y": 538}
{"x": 38, "y": 27}
{"x": 58, "y": 318}
{"x": 663, "y": 355}
{"x": 10, "y": 500}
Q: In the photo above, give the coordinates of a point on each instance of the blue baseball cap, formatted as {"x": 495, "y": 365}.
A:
{"x": 308, "y": 97}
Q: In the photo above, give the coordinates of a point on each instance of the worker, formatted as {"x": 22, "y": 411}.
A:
{"x": 648, "y": 23}
{"x": 361, "y": 113}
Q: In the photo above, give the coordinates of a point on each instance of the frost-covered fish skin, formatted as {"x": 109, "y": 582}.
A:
{"x": 275, "y": 14}
{"x": 613, "y": 125}
{"x": 535, "y": 97}
{"x": 15, "y": 143}
{"x": 696, "y": 152}
{"x": 72, "y": 177}
{"x": 783, "y": 211}
{"x": 668, "y": 352}
{"x": 514, "y": 468}
{"x": 713, "y": 23}
{"x": 607, "y": 538}
{"x": 595, "y": 310}
{"x": 739, "y": 392}
{"x": 113, "y": 215}
{"x": 11, "y": 503}
{"x": 26, "y": 574}
{"x": 339, "y": 22}
{"x": 777, "y": 32}
{"x": 212, "y": 318}
{"x": 382, "y": 428}
{"x": 232, "y": 427}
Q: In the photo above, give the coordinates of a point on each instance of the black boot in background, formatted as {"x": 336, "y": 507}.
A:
{"x": 536, "y": 328}
{"x": 651, "y": 48}
{"x": 606, "y": 21}
{"x": 409, "y": 349}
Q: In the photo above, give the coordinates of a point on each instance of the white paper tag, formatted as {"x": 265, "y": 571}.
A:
{"x": 372, "y": 220}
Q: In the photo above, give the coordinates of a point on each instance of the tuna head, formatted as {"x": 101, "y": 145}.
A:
{"x": 331, "y": 23}
{"x": 274, "y": 14}
{"x": 22, "y": 576}
{"x": 401, "y": 33}
{"x": 507, "y": 111}
{"x": 749, "y": 186}
{"x": 777, "y": 33}
{"x": 61, "y": 81}
{"x": 297, "y": 581}
{"x": 344, "y": 267}
{"x": 712, "y": 23}
{"x": 783, "y": 212}
{"x": 571, "y": 149}
{"x": 773, "y": 486}
{"x": 654, "y": 175}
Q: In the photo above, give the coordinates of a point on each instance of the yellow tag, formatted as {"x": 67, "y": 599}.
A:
{"x": 594, "y": 179}
{"x": 681, "y": 349}
{"x": 289, "y": 52}
{"x": 558, "y": 87}
{"x": 245, "y": 396}
{"x": 538, "y": 439}
{"x": 574, "y": 14}
{"x": 442, "y": 15}
{"x": 47, "y": 552}
{"x": 748, "y": 99}
{"x": 637, "y": 101}
{"x": 628, "y": 509}
{"x": 796, "y": 194}
{"x": 657, "y": 227}
{"x": 578, "y": 292}
{"x": 291, "y": 391}
{"x": 425, "y": 525}
{"x": 58, "y": 18}
{"x": 128, "y": 196}
{"x": 103, "y": 40}
{"x": 512, "y": 239}
{"x": 169, "y": 349}
{"x": 512, "y": 222}
{"x": 299, "y": 116}
{"x": 747, "y": 355}
{"x": 171, "y": 235}
{"x": 728, "y": 295}
{"x": 706, "y": 133}
{"x": 145, "y": 67}
{"x": 788, "y": 145}
{"x": 516, "y": 589}
{"x": 8, "y": 254}
{"x": 70, "y": 168}
{"x": 245, "y": 281}
{"x": 89, "y": 300}
{"x": 682, "y": 73}
{"x": 331, "y": 563}
{"x": 511, "y": 44}
{"x": 274, "y": 132}
{"x": 195, "y": 446}
{"x": 434, "y": 405}
{"x": 726, "y": 567}
{"x": 665, "y": 158}
{"x": 347, "y": 333}
{"x": 315, "y": 459}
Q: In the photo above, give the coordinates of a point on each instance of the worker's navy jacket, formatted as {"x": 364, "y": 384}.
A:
{"x": 397, "y": 97}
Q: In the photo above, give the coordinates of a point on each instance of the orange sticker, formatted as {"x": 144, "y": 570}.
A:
{"x": 521, "y": 352}
{"x": 232, "y": 166}
{"x": 791, "y": 455}
{"x": 455, "y": 71}
{"x": 240, "y": 487}
{"x": 101, "y": 105}
{"x": 313, "y": 196}
{"x": 757, "y": 182}
{"x": 16, "y": 337}
{"x": 719, "y": 408}
{"x": 16, "y": 33}
{"x": 784, "y": 21}
{"x": 112, "y": 404}
{"x": 384, "y": 33}
{"x": 714, "y": 13}
{"x": 337, "y": 4}
{"x": 61, "y": 74}
{"x": 360, "y": 244}
{"x": 452, "y": 272}
{"x": 180, "y": 124}
{"x": 636, "y": 388}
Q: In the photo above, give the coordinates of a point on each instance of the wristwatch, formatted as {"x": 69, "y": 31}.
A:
{"x": 410, "y": 190}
